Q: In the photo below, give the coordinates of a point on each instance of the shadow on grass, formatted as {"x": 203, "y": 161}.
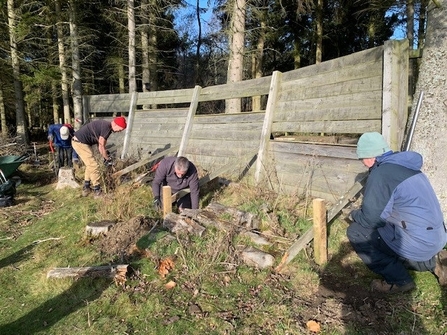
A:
{"x": 80, "y": 294}
{"x": 345, "y": 289}
{"x": 18, "y": 256}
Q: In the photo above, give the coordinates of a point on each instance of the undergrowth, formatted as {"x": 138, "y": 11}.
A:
{"x": 214, "y": 292}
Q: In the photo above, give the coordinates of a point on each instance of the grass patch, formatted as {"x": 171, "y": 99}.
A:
{"x": 214, "y": 294}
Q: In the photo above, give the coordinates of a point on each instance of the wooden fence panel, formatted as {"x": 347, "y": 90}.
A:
{"x": 95, "y": 105}
{"x": 341, "y": 96}
{"x": 217, "y": 139}
{"x": 314, "y": 175}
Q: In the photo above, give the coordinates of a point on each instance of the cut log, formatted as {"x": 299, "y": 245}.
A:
{"x": 223, "y": 217}
{"x": 238, "y": 217}
{"x": 208, "y": 218}
{"x": 105, "y": 271}
{"x": 66, "y": 178}
{"x": 177, "y": 223}
{"x": 99, "y": 228}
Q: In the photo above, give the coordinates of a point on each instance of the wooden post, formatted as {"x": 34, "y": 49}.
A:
{"x": 132, "y": 108}
{"x": 190, "y": 120}
{"x": 267, "y": 126}
{"x": 320, "y": 231}
{"x": 167, "y": 200}
{"x": 395, "y": 91}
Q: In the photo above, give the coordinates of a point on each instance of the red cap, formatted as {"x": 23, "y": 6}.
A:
{"x": 120, "y": 121}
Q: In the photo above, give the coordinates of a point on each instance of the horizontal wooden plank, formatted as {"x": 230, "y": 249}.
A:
{"x": 370, "y": 55}
{"x": 290, "y": 112}
{"x": 209, "y": 164}
{"x": 335, "y": 167}
{"x": 340, "y": 76}
{"x": 159, "y": 127}
{"x": 155, "y": 141}
{"x": 246, "y": 88}
{"x": 353, "y": 98}
{"x": 164, "y": 112}
{"x": 339, "y": 127}
{"x": 230, "y": 118}
{"x": 165, "y": 97}
{"x": 231, "y": 147}
{"x": 322, "y": 150}
{"x": 325, "y": 90}
{"x": 312, "y": 187}
{"x": 221, "y": 134}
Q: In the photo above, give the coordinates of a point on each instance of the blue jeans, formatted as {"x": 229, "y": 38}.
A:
{"x": 381, "y": 259}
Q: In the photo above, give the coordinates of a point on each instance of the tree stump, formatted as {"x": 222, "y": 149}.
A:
{"x": 66, "y": 178}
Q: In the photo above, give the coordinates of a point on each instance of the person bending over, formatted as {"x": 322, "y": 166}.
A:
{"x": 178, "y": 173}
{"x": 95, "y": 133}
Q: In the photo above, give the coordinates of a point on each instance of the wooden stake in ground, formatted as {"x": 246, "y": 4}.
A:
{"x": 167, "y": 200}
{"x": 299, "y": 244}
{"x": 320, "y": 231}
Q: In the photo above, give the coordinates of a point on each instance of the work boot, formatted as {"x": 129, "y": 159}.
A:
{"x": 378, "y": 285}
{"x": 86, "y": 191}
{"x": 441, "y": 267}
{"x": 97, "y": 193}
{"x": 86, "y": 188}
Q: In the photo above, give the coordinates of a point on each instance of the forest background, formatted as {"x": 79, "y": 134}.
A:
{"x": 52, "y": 52}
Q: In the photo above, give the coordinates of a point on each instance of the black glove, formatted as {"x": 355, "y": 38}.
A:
{"x": 157, "y": 203}
{"x": 108, "y": 162}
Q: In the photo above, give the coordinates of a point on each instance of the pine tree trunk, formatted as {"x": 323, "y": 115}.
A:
{"x": 76, "y": 66}
{"x": 257, "y": 60}
{"x": 18, "y": 88}
{"x": 153, "y": 59}
{"x": 410, "y": 22}
{"x": 236, "y": 60}
{"x": 62, "y": 66}
{"x": 3, "y": 114}
{"x": 319, "y": 32}
{"x": 131, "y": 30}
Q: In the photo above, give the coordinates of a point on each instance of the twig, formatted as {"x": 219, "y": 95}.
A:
{"x": 181, "y": 251}
{"x": 48, "y": 239}
{"x": 6, "y": 238}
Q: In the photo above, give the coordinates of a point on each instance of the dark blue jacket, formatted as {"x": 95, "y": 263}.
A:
{"x": 55, "y": 135}
{"x": 400, "y": 202}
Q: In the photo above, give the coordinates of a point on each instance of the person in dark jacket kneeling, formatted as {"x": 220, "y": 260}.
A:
{"x": 400, "y": 225}
{"x": 178, "y": 173}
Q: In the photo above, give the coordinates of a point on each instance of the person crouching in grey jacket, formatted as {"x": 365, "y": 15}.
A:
{"x": 399, "y": 226}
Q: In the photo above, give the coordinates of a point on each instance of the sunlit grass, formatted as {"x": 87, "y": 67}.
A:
{"x": 47, "y": 230}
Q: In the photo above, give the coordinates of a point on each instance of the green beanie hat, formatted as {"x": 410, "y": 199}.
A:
{"x": 371, "y": 145}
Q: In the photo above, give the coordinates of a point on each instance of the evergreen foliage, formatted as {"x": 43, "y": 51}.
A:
{"x": 178, "y": 59}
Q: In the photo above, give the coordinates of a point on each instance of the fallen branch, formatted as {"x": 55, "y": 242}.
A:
{"x": 48, "y": 239}
{"x": 106, "y": 271}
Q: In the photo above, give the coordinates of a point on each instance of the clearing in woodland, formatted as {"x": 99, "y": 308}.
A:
{"x": 187, "y": 283}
